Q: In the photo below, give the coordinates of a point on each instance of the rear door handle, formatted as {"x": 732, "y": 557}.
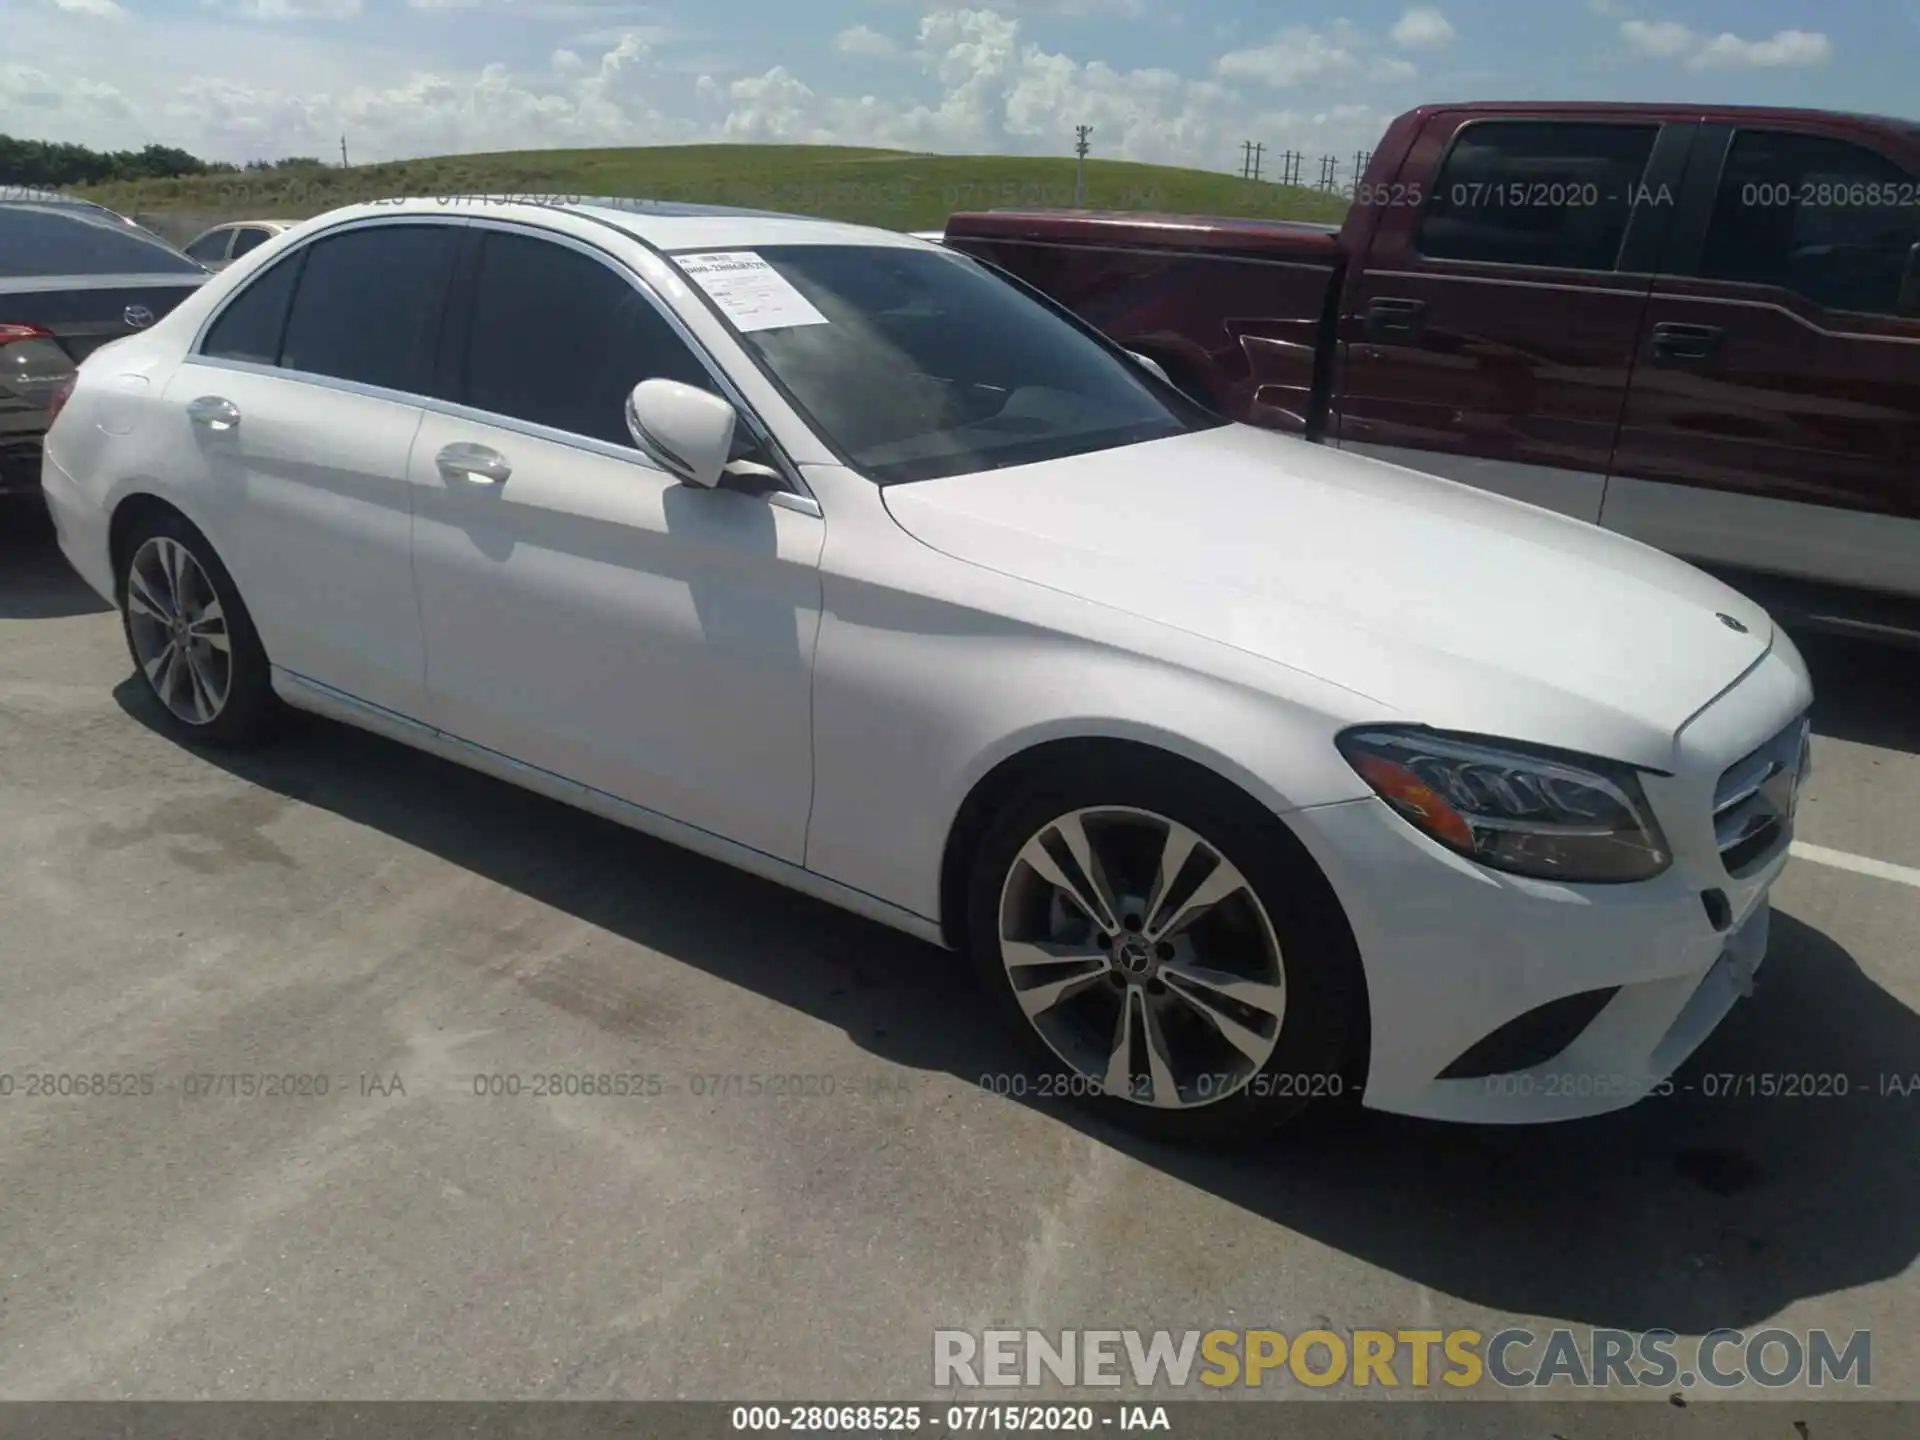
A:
{"x": 1389, "y": 317}
{"x": 480, "y": 464}
{"x": 214, "y": 412}
{"x": 1673, "y": 343}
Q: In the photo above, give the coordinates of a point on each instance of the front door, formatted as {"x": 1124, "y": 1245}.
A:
{"x": 1487, "y": 333}
{"x": 585, "y": 612}
{"x": 1774, "y": 418}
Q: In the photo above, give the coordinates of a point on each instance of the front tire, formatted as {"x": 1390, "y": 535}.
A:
{"x": 191, "y": 637}
{"x": 1167, "y": 951}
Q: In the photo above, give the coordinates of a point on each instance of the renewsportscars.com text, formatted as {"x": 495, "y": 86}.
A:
{"x": 1512, "y": 1358}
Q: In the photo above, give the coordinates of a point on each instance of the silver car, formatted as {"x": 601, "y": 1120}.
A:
{"x": 221, "y": 246}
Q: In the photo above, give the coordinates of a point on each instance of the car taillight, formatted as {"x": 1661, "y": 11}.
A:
{"x": 10, "y": 333}
{"x": 57, "y": 401}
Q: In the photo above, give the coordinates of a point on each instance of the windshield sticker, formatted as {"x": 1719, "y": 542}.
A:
{"x": 749, "y": 291}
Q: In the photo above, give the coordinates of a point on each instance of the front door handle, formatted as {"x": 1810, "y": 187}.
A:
{"x": 214, "y": 412}
{"x": 1677, "y": 344}
{"x": 1391, "y": 318}
{"x": 480, "y": 464}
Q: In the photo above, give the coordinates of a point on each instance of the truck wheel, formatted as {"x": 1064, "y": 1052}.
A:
{"x": 191, "y": 638}
{"x": 1161, "y": 957}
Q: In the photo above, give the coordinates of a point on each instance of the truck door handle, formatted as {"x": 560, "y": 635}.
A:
{"x": 1673, "y": 344}
{"x": 1390, "y": 317}
{"x": 213, "y": 412}
{"x": 480, "y": 464}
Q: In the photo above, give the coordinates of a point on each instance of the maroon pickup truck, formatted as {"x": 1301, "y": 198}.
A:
{"x": 1698, "y": 326}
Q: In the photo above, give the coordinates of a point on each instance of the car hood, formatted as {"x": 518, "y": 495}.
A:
{"x": 1428, "y": 599}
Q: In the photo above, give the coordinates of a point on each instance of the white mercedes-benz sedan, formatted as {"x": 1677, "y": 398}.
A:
{"x": 1250, "y": 774}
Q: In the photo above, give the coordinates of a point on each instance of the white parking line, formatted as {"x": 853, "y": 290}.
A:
{"x": 1859, "y": 864}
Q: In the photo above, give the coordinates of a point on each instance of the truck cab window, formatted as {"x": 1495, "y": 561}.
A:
{"x": 1827, "y": 219}
{"x": 1537, "y": 192}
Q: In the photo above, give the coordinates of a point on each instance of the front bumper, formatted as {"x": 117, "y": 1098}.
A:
{"x": 1454, "y": 952}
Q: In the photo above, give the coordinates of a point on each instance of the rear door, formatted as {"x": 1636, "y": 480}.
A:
{"x": 298, "y": 410}
{"x": 1774, "y": 417}
{"x": 1488, "y": 331}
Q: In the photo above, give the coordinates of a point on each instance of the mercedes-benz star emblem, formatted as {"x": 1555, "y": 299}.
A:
{"x": 137, "y": 316}
{"x": 1732, "y": 624}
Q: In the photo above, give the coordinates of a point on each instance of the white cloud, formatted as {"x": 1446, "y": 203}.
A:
{"x": 101, "y": 9}
{"x": 1422, "y": 28}
{"x": 1727, "y": 51}
{"x": 864, "y": 40}
{"x": 1300, "y": 56}
{"x": 1661, "y": 39}
{"x": 297, "y": 9}
{"x": 1670, "y": 40}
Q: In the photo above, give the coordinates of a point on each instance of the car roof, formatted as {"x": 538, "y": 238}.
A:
{"x": 665, "y": 224}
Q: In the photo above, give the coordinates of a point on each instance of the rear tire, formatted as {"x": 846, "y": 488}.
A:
{"x": 191, "y": 638}
{"x": 1216, "y": 1026}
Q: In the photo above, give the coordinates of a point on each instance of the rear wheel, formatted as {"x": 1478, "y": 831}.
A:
{"x": 191, "y": 637}
{"x": 1170, "y": 956}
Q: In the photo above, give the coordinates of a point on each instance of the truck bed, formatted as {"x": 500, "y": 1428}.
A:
{"x": 1238, "y": 311}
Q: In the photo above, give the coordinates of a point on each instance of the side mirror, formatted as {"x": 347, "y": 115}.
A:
{"x": 687, "y": 430}
{"x": 1910, "y": 285}
{"x": 1148, "y": 363}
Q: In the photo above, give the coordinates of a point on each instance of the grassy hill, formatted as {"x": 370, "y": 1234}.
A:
{"x": 893, "y": 188}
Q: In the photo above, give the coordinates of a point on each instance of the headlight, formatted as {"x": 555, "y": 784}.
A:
{"x": 1512, "y": 808}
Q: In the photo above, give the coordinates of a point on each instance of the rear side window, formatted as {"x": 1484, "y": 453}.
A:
{"x": 1534, "y": 192}
{"x": 73, "y": 240}
{"x": 209, "y": 248}
{"x": 255, "y": 320}
{"x": 249, "y": 239}
{"x": 368, "y": 305}
{"x": 558, "y": 339}
{"x": 1827, "y": 219}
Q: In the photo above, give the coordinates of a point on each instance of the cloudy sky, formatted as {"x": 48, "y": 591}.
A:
{"x": 1181, "y": 81}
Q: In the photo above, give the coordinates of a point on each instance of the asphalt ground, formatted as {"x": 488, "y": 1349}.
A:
{"x": 420, "y": 937}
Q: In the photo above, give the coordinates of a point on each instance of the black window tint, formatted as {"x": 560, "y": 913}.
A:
{"x": 368, "y": 305}
{"x": 210, "y": 247}
{"x": 559, "y": 339}
{"x": 248, "y": 239}
{"x": 1824, "y": 218}
{"x": 81, "y": 240}
{"x": 251, "y": 326}
{"x": 1537, "y": 193}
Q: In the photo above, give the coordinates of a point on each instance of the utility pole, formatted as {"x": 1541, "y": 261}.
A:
{"x": 343, "y": 152}
{"x": 1258, "y": 148}
{"x": 1080, "y": 148}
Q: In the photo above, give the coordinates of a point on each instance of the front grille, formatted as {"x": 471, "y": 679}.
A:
{"x": 1753, "y": 804}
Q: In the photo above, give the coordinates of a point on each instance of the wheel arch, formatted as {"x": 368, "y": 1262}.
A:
{"x": 1216, "y": 780}
{"x": 124, "y": 522}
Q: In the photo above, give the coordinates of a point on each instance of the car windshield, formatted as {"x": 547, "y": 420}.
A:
{"x": 82, "y": 240}
{"x": 916, "y": 364}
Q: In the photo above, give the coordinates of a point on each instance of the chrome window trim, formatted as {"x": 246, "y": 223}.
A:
{"x": 797, "y": 488}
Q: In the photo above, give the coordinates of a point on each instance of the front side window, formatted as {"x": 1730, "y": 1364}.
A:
{"x": 916, "y": 364}
{"x": 1827, "y": 219}
{"x": 1537, "y": 192}
{"x": 368, "y": 305}
{"x": 82, "y": 240}
{"x": 559, "y": 339}
{"x": 210, "y": 247}
{"x": 254, "y": 322}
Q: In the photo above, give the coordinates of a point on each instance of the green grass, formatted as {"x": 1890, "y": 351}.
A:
{"x": 892, "y": 188}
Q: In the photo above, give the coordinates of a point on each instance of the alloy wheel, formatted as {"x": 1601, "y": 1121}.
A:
{"x": 1142, "y": 957}
{"x": 179, "y": 631}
